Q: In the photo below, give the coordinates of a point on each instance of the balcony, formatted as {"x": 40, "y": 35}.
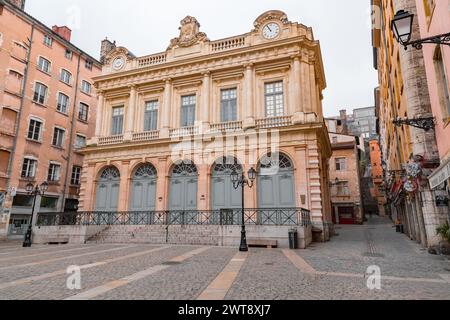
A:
{"x": 215, "y": 128}
{"x": 145, "y": 136}
{"x": 274, "y": 122}
{"x": 151, "y": 60}
{"x": 228, "y": 44}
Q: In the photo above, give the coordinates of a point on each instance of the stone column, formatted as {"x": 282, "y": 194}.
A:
{"x": 296, "y": 92}
{"x": 301, "y": 177}
{"x": 124, "y": 186}
{"x": 130, "y": 115}
{"x": 165, "y": 126}
{"x": 206, "y": 90}
{"x": 248, "y": 97}
{"x": 305, "y": 82}
{"x": 87, "y": 190}
{"x": 99, "y": 116}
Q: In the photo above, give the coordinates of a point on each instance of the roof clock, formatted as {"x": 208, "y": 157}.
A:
{"x": 271, "y": 31}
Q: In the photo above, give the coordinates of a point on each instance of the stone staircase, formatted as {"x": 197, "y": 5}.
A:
{"x": 182, "y": 235}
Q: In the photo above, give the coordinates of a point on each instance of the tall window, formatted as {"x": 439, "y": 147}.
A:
{"x": 442, "y": 81}
{"x": 151, "y": 116}
{"x": 66, "y": 76}
{"x": 29, "y": 168}
{"x": 54, "y": 172}
{"x": 68, "y": 54}
{"x": 88, "y": 64}
{"x": 63, "y": 103}
{"x": 48, "y": 41}
{"x": 44, "y": 65}
{"x": 34, "y": 130}
{"x": 76, "y": 175}
{"x": 83, "y": 112}
{"x": 40, "y": 93}
{"x": 85, "y": 87}
{"x": 117, "y": 121}
{"x": 58, "y": 137}
{"x": 341, "y": 164}
{"x": 228, "y": 105}
{"x": 274, "y": 99}
{"x": 80, "y": 141}
{"x": 188, "y": 111}
{"x": 343, "y": 189}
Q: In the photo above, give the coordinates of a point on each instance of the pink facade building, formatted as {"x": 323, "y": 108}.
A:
{"x": 434, "y": 19}
{"x": 47, "y": 112}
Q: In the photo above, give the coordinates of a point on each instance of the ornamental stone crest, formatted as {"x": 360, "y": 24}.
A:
{"x": 189, "y": 33}
{"x": 270, "y": 15}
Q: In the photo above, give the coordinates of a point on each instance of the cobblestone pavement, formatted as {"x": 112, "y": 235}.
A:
{"x": 332, "y": 270}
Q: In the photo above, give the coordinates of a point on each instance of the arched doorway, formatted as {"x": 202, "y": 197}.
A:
{"x": 223, "y": 194}
{"x": 276, "y": 182}
{"x": 143, "y": 188}
{"x": 108, "y": 186}
{"x": 183, "y": 192}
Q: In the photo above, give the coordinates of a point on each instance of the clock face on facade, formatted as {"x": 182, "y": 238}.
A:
{"x": 118, "y": 63}
{"x": 271, "y": 31}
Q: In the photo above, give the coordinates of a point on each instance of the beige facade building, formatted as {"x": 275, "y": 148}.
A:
{"x": 47, "y": 112}
{"x": 166, "y": 122}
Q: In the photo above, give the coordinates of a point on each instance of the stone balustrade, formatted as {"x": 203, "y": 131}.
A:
{"x": 228, "y": 44}
{"x": 274, "y": 122}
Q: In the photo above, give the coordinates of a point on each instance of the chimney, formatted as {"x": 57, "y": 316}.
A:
{"x": 63, "y": 32}
{"x": 343, "y": 116}
{"x": 18, "y": 3}
{"x": 107, "y": 47}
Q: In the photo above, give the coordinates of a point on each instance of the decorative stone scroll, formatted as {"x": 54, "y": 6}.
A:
{"x": 189, "y": 34}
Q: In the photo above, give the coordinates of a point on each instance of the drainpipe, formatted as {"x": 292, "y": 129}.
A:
{"x": 19, "y": 114}
{"x": 70, "y": 149}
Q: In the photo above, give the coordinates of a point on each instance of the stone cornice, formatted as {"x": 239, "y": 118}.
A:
{"x": 212, "y": 62}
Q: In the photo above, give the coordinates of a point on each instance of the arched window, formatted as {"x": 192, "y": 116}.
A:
{"x": 223, "y": 194}
{"x": 184, "y": 168}
{"x": 183, "y": 187}
{"x": 143, "y": 188}
{"x": 108, "y": 187}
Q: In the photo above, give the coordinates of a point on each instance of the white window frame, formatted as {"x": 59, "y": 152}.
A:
{"x": 83, "y": 82}
{"x": 276, "y": 112}
{"x": 34, "y": 92}
{"x": 57, "y": 172}
{"x": 48, "y": 41}
{"x": 340, "y": 163}
{"x": 40, "y": 67}
{"x": 57, "y": 102}
{"x": 87, "y": 113}
{"x": 32, "y": 118}
{"x": 63, "y": 79}
{"x": 34, "y": 168}
{"x": 68, "y": 56}
{"x": 76, "y": 141}
{"x": 74, "y": 174}
{"x": 63, "y": 139}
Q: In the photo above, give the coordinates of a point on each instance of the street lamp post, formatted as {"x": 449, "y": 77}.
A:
{"x": 402, "y": 26}
{"x": 242, "y": 181}
{"x": 34, "y": 191}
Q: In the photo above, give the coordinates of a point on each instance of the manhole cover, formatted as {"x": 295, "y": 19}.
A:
{"x": 171, "y": 263}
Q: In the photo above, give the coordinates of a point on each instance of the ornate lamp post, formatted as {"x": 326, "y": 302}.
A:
{"x": 242, "y": 181}
{"x": 34, "y": 191}
{"x": 402, "y": 25}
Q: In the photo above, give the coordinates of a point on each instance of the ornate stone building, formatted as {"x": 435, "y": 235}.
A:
{"x": 168, "y": 120}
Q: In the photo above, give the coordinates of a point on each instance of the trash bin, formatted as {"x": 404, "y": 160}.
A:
{"x": 293, "y": 239}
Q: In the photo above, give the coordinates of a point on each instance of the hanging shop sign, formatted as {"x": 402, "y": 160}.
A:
{"x": 440, "y": 175}
{"x": 410, "y": 186}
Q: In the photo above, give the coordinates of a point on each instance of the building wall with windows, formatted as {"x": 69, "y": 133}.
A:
{"x": 345, "y": 177}
{"x": 434, "y": 19}
{"x": 245, "y": 98}
{"x": 42, "y": 84}
{"x": 403, "y": 93}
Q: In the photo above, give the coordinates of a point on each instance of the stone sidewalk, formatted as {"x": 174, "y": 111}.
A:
{"x": 332, "y": 270}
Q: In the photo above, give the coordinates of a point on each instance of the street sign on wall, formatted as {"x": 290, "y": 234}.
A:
{"x": 440, "y": 175}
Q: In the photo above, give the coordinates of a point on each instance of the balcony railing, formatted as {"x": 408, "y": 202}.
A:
{"x": 152, "y": 60}
{"x": 226, "y": 126}
{"x": 266, "y": 217}
{"x": 274, "y": 122}
{"x": 183, "y": 132}
{"x": 228, "y": 44}
{"x": 104, "y": 141}
{"x": 146, "y": 136}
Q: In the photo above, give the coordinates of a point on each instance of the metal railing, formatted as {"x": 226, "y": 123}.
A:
{"x": 266, "y": 217}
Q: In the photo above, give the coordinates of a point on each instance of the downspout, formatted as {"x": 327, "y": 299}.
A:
{"x": 19, "y": 114}
{"x": 72, "y": 127}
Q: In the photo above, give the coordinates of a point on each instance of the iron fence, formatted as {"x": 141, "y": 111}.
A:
{"x": 272, "y": 217}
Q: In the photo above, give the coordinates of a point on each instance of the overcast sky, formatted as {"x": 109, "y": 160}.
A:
{"x": 146, "y": 27}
